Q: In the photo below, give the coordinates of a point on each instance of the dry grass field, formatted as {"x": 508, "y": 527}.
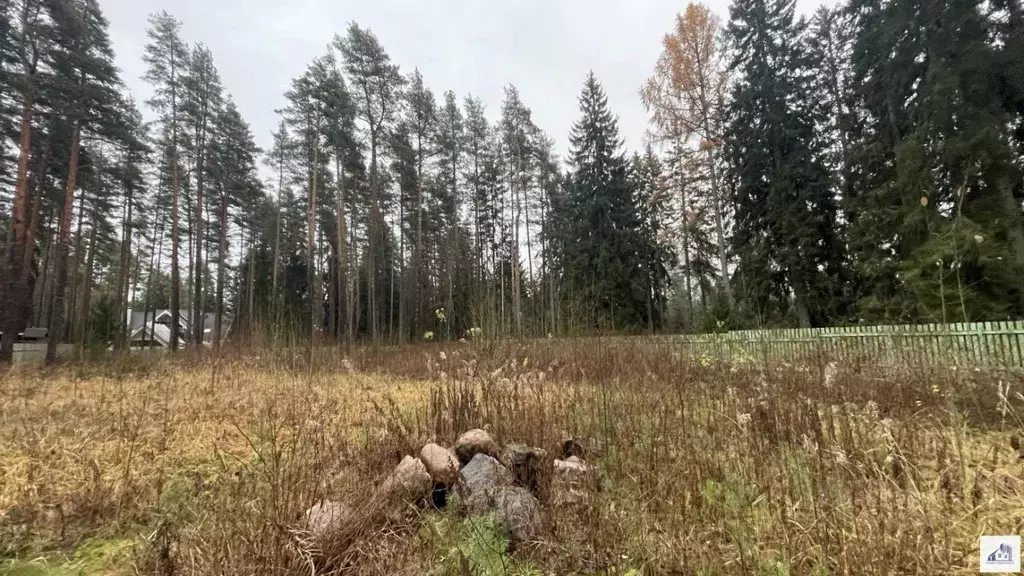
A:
{"x": 205, "y": 466}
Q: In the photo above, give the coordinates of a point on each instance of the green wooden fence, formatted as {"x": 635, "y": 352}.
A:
{"x": 990, "y": 344}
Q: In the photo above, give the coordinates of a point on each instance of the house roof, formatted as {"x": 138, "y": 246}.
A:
{"x": 161, "y": 334}
{"x": 163, "y": 316}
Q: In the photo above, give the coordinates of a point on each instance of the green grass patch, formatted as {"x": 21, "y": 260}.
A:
{"x": 95, "y": 557}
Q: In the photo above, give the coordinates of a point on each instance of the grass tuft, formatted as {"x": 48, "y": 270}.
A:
{"x": 700, "y": 466}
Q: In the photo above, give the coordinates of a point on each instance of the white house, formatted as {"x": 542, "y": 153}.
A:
{"x": 146, "y": 330}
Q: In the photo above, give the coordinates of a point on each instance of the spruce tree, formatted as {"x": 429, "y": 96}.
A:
{"x": 786, "y": 228}
{"x": 935, "y": 222}
{"x": 654, "y": 208}
{"x": 601, "y": 247}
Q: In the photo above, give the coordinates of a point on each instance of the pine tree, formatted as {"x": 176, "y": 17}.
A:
{"x": 201, "y": 100}
{"x": 377, "y": 82}
{"x": 232, "y": 159}
{"x": 549, "y": 184}
{"x": 517, "y": 130}
{"x": 29, "y": 38}
{"x": 278, "y": 159}
{"x": 309, "y": 103}
{"x": 128, "y": 173}
{"x": 420, "y": 120}
{"x": 476, "y": 139}
{"x": 341, "y": 140}
{"x": 89, "y": 93}
{"x": 450, "y": 138}
{"x": 166, "y": 58}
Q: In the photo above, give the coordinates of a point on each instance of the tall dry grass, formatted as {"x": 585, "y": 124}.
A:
{"x": 705, "y": 467}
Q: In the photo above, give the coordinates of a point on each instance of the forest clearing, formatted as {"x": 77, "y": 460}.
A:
{"x": 450, "y": 288}
{"x": 701, "y": 467}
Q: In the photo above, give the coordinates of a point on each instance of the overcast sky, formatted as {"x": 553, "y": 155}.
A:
{"x": 474, "y": 47}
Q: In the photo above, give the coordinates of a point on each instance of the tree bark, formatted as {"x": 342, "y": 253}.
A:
{"x": 68, "y": 328}
{"x": 155, "y": 256}
{"x": 371, "y": 270}
{"x": 723, "y": 258}
{"x": 36, "y": 214}
{"x": 352, "y": 288}
{"x": 16, "y": 237}
{"x": 250, "y": 294}
{"x": 314, "y": 294}
{"x": 517, "y": 302}
{"x": 57, "y": 306}
{"x": 218, "y": 321}
{"x": 175, "y": 192}
{"x": 340, "y": 224}
{"x": 198, "y": 317}
{"x": 84, "y": 319}
{"x": 686, "y": 248}
{"x": 277, "y": 241}
{"x": 418, "y": 257}
{"x": 123, "y": 278}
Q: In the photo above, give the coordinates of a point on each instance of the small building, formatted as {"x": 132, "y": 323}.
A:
{"x": 153, "y": 328}
{"x": 34, "y": 334}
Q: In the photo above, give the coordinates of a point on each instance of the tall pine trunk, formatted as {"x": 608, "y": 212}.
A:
{"x": 341, "y": 277}
{"x": 156, "y": 250}
{"x": 84, "y": 316}
{"x": 391, "y": 305}
{"x": 36, "y": 202}
{"x": 75, "y": 275}
{"x": 314, "y": 293}
{"x": 218, "y": 321}
{"x": 517, "y": 210}
{"x": 27, "y": 282}
{"x": 371, "y": 270}
{"x": 529, "y": 252}
{"x": 12, "y": 292}
{"x": 123, "y": 271}
{"x": 198, "y": 316}
{"x": 251, "y": 289}
{"x": 275, "y": 299}
{"x": 418, "y": 257}
{"x": 175, "y": 192}
{"x": 403, "y": 281}
{"x": 64, "y": 239}
{"x": 450, "y": 301}
{"x": 352, "y": 288}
